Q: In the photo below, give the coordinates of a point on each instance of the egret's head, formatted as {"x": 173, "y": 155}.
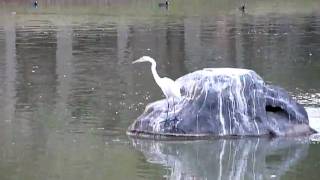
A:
{"x": 144, "y": 59}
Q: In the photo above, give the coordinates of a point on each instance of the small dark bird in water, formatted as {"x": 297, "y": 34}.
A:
{"x": 35, "y": 4}
{"x": 166, "y": 4}
{"x": 242, "y": 8}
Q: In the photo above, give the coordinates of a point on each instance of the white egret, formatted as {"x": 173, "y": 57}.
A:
{"x": 169, "y": 88}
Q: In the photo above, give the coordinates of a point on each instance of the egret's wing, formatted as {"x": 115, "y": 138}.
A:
{"x": 172, "y": 87}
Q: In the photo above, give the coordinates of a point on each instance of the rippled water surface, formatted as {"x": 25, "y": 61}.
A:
{"x": 68, "y": 90}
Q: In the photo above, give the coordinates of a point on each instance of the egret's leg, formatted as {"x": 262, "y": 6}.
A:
{"x": 174, "y": 108}
{"x": 175, "y": 119}
{"x": 167, "y": 109}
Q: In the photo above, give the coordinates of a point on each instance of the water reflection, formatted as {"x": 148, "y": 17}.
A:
{"x": 225, "y": 159}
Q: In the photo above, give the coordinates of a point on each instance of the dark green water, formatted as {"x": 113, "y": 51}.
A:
{"x": 68, "y": 90}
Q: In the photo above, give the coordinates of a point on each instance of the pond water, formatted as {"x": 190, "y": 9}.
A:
{"x": 68, "y": 90}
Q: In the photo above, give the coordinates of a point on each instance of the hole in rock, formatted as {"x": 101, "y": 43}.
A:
{"x": 277, "y": 110}
{"x": 274, "y": 109}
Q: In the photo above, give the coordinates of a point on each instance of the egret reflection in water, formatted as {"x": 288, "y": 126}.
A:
{"x": 250, "y": 158}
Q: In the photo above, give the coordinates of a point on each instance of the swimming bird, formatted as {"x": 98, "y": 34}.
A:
{"x": 242, "y": 7}
{"x": 166, "y": 4}
{"x": 35, "y": 4}
{"x": 169, "y": 88}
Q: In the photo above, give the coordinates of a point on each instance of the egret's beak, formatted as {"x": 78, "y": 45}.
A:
{"x": 137, "y": 61}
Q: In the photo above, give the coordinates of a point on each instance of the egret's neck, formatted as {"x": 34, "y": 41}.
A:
{"x": 154, "y": 71}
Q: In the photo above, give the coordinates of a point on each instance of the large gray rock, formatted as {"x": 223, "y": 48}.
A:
{"x": 223, "y": 102}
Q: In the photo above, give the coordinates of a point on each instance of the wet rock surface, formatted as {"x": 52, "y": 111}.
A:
{"x": 223, "y": 102}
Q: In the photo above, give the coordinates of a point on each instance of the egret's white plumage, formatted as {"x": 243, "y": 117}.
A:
{"x": 167, "y": 85}
{"x": 169, "y": 88}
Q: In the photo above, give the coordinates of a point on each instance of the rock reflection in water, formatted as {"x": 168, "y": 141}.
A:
{"x": 233, "y": 159}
